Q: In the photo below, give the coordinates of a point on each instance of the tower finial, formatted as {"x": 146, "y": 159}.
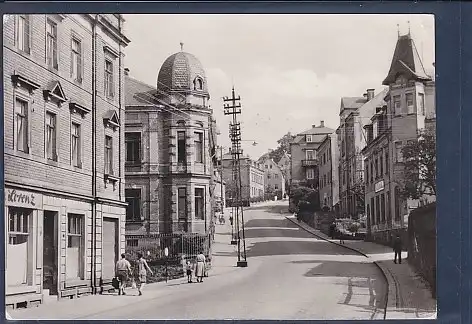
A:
{"x": 181, "y": 46}
{"x": 398, "y": 30}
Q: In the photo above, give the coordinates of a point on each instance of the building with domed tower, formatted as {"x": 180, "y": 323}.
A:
{"x": 170, "y": 150}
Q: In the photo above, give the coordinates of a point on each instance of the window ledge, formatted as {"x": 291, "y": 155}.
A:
{"x": 16, "y": 290}
{"x": 75, "y": 283}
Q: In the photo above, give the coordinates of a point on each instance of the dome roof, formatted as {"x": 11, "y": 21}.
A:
{"x": 182, "y": 71}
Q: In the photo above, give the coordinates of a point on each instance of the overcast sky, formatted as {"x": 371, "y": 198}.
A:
{"x": 290, "y": 70}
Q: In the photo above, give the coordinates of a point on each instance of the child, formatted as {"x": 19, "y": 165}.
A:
{"x": 189, "y": 272}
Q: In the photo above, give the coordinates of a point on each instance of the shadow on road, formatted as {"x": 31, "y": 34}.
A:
{"x": 274, "y": 209}
{"x": 287, "y": 247}
{"x": 267, "y": 222}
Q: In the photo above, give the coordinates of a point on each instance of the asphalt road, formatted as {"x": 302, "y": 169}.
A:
{"x": 290, "y": 275}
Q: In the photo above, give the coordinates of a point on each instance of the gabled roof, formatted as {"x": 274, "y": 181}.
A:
{"x": 352, "y": 102}
{"x": 406, "y": 61}
{"x": 54, "y": 89}
{"x": 112, "y": 117}
{"x": 138, "y": 93}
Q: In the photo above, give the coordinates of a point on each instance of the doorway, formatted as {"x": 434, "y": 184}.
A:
{"x": 50, "y": 250}
{"x": 110, "y": 236}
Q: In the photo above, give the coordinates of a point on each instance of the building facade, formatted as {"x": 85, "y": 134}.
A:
{"x": 170, "y": 151}
{"x": 328, "y": 176}
{"x": 304, "y": 160}
{"x": 274, "y": 180}
{"x": 64, "y": 172}
{"x": 252, "y": 180}
{"x": 410, "y": 106}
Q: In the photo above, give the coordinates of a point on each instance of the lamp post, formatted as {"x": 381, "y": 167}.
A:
{"x": 166, "y": 253}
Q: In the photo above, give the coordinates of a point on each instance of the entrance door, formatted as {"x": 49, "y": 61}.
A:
{"x": 50, "y": 244}
{"x": 110, "y": 247}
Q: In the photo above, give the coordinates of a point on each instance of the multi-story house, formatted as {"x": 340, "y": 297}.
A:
{"x": 409, "y": 107}
{"x": 252, "y": 180}
{"x": 63, "y": 149}
{"x": 304, "y": 159}
{"x": 328, "y": 176}
{"x": 170, "y": 151}
{"x": 274, "y": 178}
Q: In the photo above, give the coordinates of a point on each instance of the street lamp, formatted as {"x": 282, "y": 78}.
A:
{"x": 166, "y": 253}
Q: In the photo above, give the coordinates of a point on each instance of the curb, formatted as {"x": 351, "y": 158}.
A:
{"x": 391, "y": 295}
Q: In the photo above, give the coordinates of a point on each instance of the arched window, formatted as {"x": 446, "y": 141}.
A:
{"x": 181, "y": 123}
{"x": 198, "y": 83}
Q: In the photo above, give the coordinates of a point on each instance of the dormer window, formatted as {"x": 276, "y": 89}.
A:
{"x": 309, "y": 138}
{"x": 198, "y": 83}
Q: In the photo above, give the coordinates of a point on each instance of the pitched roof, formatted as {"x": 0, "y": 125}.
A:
{"x": 406, "y": 60}
{"x": 138, "y": 93}
{"x": 352, "y": 102}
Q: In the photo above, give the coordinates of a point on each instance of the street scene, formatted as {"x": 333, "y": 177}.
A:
{"x": 288, "y": 175}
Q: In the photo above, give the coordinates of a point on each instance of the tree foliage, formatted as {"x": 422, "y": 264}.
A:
{"x": 305, "y": 198}
{"x": 358, "y": 189}
{"x": 284, "y": 147}
{"x": 419, "y": 161}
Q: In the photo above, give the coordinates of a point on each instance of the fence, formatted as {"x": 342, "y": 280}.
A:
{"x": 422, "y": 243}
{"x": 186, "y": 245}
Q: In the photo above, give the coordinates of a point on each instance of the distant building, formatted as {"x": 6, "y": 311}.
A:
{"x": 274, "y": 179}
{"x": 304, "y": 159}
{"x": 170, "y": 151}
{"x": 328, "y": 175}
{"x": 63, "y": 154}
{"x": 252, "y": 180}
{"x": 409, "y": 107}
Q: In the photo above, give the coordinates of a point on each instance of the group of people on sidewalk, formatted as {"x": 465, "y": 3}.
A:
{"x": 124, "y": 272}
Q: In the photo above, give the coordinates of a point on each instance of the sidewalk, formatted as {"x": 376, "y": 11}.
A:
{"x": 408, "y": 295}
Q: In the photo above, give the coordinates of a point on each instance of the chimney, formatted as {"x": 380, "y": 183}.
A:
{"x": 322, "y": 123}
{"x": 313, "y": 126}
{"x": 126, "y": 71}
{"x": 370, "y": 94}
{"x": 365, "y": 95}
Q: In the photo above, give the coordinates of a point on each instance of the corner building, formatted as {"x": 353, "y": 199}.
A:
{"x": 169, "y": 150}
{"x": 64, "y": 177}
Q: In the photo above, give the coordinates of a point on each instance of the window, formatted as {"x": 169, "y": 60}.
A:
{"x": 276, "y": 176}
{"x": 199, "y": 147}
{"x": 76, "y": 60}
{"x": 19, "y": 246}
{"x": 309, "y": 138}
{"x": 51, "y": 44}
{"x": 377, "y": 209}
{"x": 75, "y": 248}
{"x": 270, "y": 167}
{"x": 21, "y": 125}
{"x": 367, "y": 171}
{"x": 371, "y": 171}
{"x": 181, "y": 148}
{"x": 421, "y": 104}
{"x": 376, "y": 168}
{"x": 410, "y": 103}
{"x": 310, "y": 154}
{"x": 397, "y": 105}
{"x": 109, "y": 83}
{"x": 182, "y": 203}
{"x": 51, "y": 136}
{"x": 310, "y": 174}
{"x": 198, "y": 85}
{"x": 23, "y": 33}
{"x": 276, "y": 187}
{"x": 268, "y": 176}
{"x": 386, "y": 163}
{"x": 133, "y": 147}
{"x": 372, "y": 211}
{"x": 382, "y": 206}
{"x": 324, "y": 180}
{"x": 108, "y": 155}
{"x": 398, "y": 151}
{"x": 381, "y": 166}
{"x": 199, "y": 203}
{"x": 75, "y": 145}
{"x": 133, "y": 210}
{"x": 266, "y": 166}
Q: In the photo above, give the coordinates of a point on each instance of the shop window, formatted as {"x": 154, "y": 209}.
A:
{"x": 181, "y": 148}
{"x": 199, "y": 203}
{"x": 19, "y": 248}
{"x": 75, "y": 247}
{"x": 199, "y": 147}
{"x": 133, "y": 210}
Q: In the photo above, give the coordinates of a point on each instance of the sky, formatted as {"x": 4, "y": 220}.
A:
{"x": 290, "y": 70}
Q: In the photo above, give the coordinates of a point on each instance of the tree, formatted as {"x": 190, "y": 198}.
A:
{"x": 419, "y": 161}
{"x": 284, "y": 147}
{"x": 358, "y": 189}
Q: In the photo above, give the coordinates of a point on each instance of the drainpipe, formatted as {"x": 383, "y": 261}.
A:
{"x": 120, "y": 106}
{"x": 94, "y": 153}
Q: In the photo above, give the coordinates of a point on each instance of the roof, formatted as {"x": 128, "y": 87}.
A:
{"x": 138, "y": 93}
{"x": 406, "y": 60}
{"x": 352, "y": 102}
{"x": 179, "y": 72}
{"x": 315, "y": 138}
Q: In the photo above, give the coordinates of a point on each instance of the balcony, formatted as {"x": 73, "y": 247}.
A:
{"x": 309, "y": 163}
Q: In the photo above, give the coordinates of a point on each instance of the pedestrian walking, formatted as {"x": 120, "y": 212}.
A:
{"x": 397, "y": 249}
{"x": 332, "y": 229}
{"x": 143, "y": 269}
{"x": 200, "y": 268}
{"x": 123, "y": 271}
{"x": 189, "y": 272}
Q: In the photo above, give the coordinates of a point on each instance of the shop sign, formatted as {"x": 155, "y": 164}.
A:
{"x": 379, "y": 186}
{"x": 20, "y": 198}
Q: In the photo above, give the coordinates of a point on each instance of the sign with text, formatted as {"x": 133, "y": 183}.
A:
{"x": 20, "y": 198}
{"x": 379, "y": 186}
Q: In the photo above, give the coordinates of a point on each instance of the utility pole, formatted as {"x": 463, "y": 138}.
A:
{"x": 233, "y": 107}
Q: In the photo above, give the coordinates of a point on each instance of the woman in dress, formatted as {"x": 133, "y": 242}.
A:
{"x": 200, "y": 269}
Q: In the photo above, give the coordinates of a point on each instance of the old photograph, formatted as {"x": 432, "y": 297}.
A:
{"x": 224, "y": 166}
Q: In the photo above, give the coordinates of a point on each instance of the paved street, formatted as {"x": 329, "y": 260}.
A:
{"x": 290, "y": 275}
